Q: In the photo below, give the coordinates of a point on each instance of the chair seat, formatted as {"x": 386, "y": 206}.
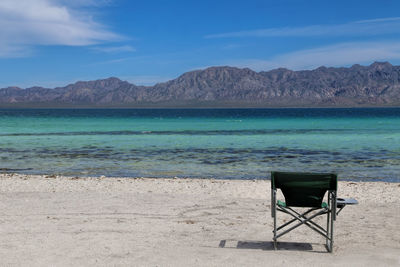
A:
{"x": 283, "y": 204}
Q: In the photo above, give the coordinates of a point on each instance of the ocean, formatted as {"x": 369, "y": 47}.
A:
{"x": 360, "y": 144}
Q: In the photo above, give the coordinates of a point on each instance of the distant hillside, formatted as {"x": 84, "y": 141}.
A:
{"x": 374, "y": 85}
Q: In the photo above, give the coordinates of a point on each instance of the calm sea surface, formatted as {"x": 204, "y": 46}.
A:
{"x": 358, "y": 144}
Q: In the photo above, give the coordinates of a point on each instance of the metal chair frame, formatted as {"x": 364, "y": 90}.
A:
{"x": 305, "y": 219}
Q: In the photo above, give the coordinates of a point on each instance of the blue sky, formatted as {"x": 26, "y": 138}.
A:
{"x": 55, "y": 42}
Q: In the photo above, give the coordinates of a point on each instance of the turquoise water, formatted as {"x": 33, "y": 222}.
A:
{"x": 358, "y": 144}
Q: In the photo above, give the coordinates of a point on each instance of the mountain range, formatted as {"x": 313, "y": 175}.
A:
{"x": 375, "y": 85}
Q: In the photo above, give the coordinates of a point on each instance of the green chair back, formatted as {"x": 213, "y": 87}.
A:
{"x": 304, "y": 189}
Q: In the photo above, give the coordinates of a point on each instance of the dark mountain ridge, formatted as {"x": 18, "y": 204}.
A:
{"x": 375, "y": 85}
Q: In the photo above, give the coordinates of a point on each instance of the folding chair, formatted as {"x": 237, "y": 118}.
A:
{"x": 304, "y": 190}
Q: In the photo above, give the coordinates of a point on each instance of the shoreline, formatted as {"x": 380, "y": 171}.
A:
{"x": 31, "y": 175}
{"x": 183, "y": 221}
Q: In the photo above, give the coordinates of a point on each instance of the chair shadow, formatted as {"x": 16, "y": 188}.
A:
{"x": 269, "y": 245}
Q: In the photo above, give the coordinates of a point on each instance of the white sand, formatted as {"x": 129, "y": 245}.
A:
{"x": 182, "y": 222}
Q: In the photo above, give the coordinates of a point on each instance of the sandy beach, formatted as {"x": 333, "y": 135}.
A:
{"x": 64, "y": 221}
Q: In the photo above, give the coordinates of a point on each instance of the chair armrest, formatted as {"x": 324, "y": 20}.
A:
{"x": 341, "y": 202}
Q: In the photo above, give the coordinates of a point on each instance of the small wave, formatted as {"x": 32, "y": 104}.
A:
{"x": 200, "y": 132}
{"x": 14, "y": 170}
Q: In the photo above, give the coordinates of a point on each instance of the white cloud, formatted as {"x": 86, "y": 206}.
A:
{"x": 26, "y": 23}
{"x": 77, "y": 3}
{"x": 114, "y": 49}
{"x": 356, "y": 28}
{"x": 334, "y": 55}
{"x": 147, "y": 80}
{"x": 379, "y": 20}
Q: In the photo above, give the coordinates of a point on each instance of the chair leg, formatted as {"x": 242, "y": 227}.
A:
{"x": 328, "y": 224}
{"x": 333, "y": 211}
{"x": 330, "y": 212}
{"x": 330, "y": 218}
{"x": 275, "y": 241}
{"x": 274, "y": 204}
